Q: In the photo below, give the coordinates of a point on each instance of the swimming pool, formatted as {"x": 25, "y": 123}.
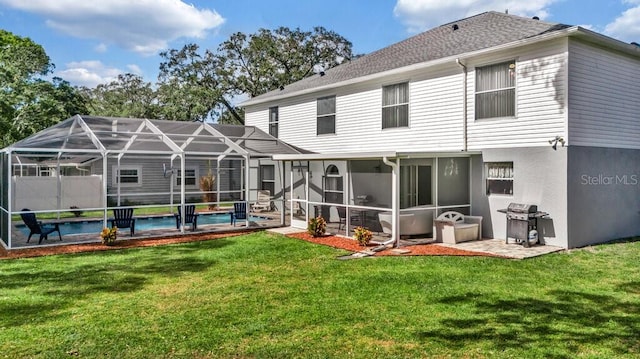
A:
{"x": 142, "y": 223}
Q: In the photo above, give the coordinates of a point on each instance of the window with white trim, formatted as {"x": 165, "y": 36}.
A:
{"x": 333, "y": 185}
{"x": 127, "y": 176}
{"x": 268, "y": 178}
{"x": 190, "y": 177}
{"x": 496, "y": 90}
{"x": 499, "y": 177}
{"x": 326, "y": 115}
{"x": 395, "y": 105}
{"x": 273, "y": 121}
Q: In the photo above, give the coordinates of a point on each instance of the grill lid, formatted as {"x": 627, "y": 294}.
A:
{"x": 522, "y": 208}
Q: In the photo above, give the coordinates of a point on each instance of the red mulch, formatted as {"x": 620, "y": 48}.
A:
{"x": 332, "y": 241}
{"x": 415, "y": 250}
{"x": 120, "y": 244}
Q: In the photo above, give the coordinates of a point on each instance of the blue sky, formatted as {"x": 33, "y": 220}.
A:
{"x": 91, "y": 42}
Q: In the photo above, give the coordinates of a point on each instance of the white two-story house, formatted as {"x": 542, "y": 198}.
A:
{"x": 469, "y": 116}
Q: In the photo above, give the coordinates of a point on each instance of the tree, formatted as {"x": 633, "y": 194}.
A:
{"x": 127, "y": 96}
{"x": 190, "y": 88}
{"x": 195, "y": 86}
{"x": 263, "y": 62}
{"x": 29, "y": 103}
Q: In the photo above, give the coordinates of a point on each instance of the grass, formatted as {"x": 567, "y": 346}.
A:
{"x": 267, "y": 296}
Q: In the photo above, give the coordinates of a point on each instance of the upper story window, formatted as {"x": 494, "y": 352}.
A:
{"x": 496, "y": 90}
{"x": 326, "y": 115}
{"x": 273, "y": 121}
{"x": 395, "y": 105}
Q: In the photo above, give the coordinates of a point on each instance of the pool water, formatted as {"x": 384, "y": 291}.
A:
{"x": 142, "y": 223}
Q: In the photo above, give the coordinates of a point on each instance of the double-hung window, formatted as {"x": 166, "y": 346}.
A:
{"x": 127, "y": 176}
{"x": 326, "y": 115}
{"x": 496, "y": 90}
{"x": 395, "y": 105}
{"x": 273, "y": 121}
{"x": 190, "y": 178}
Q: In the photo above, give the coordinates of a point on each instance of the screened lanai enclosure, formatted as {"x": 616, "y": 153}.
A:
{"x": 77, "y": 172}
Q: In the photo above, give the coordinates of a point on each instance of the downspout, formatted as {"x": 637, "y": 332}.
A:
{"x": 395, "y": 231}
{"x": 464, "y": 105}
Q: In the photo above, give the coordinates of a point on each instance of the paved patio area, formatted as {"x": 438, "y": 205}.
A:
{"x": 491, "y": 246}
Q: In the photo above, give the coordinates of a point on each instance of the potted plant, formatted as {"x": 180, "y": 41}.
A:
{"x": 317, "y": 226}
{"x": 362, "y": 235}
{"x": 109, "y": 235}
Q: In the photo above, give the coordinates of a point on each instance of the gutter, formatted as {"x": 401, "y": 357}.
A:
{"x": 464, "y": 105}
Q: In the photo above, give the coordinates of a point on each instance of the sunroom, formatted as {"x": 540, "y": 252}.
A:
{"x": 77, "y": 172}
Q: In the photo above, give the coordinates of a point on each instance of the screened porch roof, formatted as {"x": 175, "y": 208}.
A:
{"x": 87, "y": 136}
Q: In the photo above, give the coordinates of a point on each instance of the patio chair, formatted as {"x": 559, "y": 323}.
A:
{"x": 123, "y": 218}
{"x": 453, "y": 227}
{"x": 239, "y": 212}
{"x": 190, "y": 217}
{"x": 263, "y": 202}
{"x": 342, "y": 216}
{"x": 36, "y": 227}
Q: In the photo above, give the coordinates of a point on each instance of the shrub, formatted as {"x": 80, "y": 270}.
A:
{"x": 109, "y": 235}
{"x": 362, "y": 235}
{"x": 317, "y": 226}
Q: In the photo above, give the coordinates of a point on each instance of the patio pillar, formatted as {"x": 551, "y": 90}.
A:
{"x": 247, "y": 159}
{"x": 395, "y": 200}
{"x": 10, "y": 197}
{"x": 182, "y": 191}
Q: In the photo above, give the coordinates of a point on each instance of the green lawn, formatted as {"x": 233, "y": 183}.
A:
{"x": 268, "y": 296}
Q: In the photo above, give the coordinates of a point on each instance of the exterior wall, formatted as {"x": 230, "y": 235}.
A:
{"x": 435, "y": 116}
{"x": 436, "y": 109}
{"x": 604, "y": 110}
{"x": 155, "y": 188}
{"x": 540, "y": 99}
{"x": 603, "y": 194}
{"x": 540, "y": 178}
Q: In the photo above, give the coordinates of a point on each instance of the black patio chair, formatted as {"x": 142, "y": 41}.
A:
{"x": 123, "y": 218}
{"x": 190, "y": 217}
{"x": 36, "y": 227}
{"x": 239, "y": 212}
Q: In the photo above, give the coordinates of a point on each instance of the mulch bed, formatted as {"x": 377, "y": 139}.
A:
{"x": 415, "y": 250}
{"x": 330, "y": 240}
{"x": 121, "y": 244}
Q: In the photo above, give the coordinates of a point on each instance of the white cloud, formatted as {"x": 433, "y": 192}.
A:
{"x": 134, "y": 69}
{"x": 101, "y": 48}
{"x": 420, "y": 15}
{"x": 144, "y": 26}
{"x": 89, "y": 73}
{"x": 626, "y": 27}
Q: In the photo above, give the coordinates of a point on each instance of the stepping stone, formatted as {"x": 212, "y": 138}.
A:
{"x": 400, "y": 251}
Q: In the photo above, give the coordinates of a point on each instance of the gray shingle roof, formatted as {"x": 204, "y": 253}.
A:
{"x": 474, "y": 33}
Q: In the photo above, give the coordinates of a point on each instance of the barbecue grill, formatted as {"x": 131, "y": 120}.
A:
{"x": 521, "y": 220}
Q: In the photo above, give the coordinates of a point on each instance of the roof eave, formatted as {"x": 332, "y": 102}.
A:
{"x": 419, "y": 66}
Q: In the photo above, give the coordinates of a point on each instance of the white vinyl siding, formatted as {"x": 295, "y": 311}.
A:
{"x": 541, "y": 111}
{"x": 604, "y": 105}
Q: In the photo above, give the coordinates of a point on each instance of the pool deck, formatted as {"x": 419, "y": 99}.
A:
{"x": 19, "y": 239}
